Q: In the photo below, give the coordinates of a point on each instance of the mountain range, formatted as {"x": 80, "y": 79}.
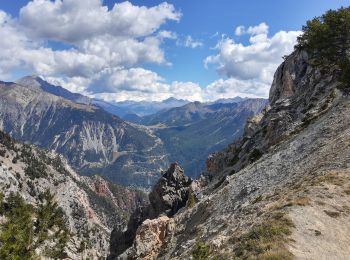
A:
{"x": 131, "y": 110}
{"x": 93, "y": 140}
{"x": 191, "y": 132}
{"x": 275, "y": 185}
{"x": 97, "y": 142}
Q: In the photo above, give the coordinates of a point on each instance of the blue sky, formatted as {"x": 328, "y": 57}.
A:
{"x": 174, "y": 68}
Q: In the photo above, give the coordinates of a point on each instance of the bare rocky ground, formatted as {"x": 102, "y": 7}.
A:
{"x": 322, "y": 224}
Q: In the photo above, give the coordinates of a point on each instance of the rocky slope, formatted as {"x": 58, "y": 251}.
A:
{"x": 183, "y": 129}
{"x": 94, "y": 141}
{"x": 91, "y": 206}
{"x": 279, "y": 192}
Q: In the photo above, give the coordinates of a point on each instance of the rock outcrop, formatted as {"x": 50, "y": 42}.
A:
{"x": 170, "y": 193}
{"x": 300, "y": 93}
{"x": 167, "y": 197}
{"x": 150, "y": 237}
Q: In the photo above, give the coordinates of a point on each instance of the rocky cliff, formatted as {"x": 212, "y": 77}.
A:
{"x": 94, "y": 141}
{"x": 279, "y": 192}
{"x": 168, "y": 196}
{"x": 299, "y": 94}
{"x": 91, "y": 206}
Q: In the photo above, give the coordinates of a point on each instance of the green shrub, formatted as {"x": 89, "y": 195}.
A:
{"x": 51, "y": 217}
{"x": 192, "y": 200}
{"x": 255, "y": 155}
{"x": 25, "y": 229}
{"x": 35, "y": 168}
{"x": 201, "y": 251}
{"x": 16, "y": 237}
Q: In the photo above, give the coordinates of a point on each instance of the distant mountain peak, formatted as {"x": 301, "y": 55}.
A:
{"x": 35, "y": 82}
{"x": 172, "y": 99}
{"x": 236, "y": 99}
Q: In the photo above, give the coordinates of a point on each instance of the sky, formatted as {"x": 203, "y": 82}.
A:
{"x": 152, "y": 50}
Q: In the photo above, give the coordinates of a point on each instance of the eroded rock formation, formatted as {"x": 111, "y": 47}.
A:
{"x": 168, "y": 196}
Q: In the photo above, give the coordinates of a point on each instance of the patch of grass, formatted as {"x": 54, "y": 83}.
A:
{"x": 333, "y": 94}
{"x": 265, "y": 240}
{"x": 301, "y": 201}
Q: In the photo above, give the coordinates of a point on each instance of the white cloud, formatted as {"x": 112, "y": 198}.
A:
{"x": 140, "y": 84}
{"x": 73, "y": 21}
{"x": 240, "y": 30}
{"x": 108, "y": 48}
{"x": 256, "y": 61}
{"x": 100, "y": 39}
{"x": 191, "y": 43}
{"x": 234, "y": 87}
{"x": 262, "y": 28}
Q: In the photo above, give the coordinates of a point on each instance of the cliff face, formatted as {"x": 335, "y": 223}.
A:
{"x": 299, "y": 94}
{"x": 94, "y": 141}
{"x": 278, "y": 192}
{"x": 168, "y": 196}
{"x": 91, "y": 206}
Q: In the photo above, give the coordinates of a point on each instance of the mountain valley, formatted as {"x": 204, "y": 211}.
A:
{"x": 157, "y": 176}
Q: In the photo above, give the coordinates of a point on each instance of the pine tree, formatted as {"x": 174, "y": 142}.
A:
{"x": 327, "y": 41}
{"x": 16, "y": 237}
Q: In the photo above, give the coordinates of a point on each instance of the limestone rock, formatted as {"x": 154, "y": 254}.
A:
{"x": 168, "y": 196}
{"x": 170, "y": 193}
{"x": 299, "y": 93}
{"x": 151, "y": 236}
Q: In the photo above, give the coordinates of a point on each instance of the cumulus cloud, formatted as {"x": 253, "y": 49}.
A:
{"x": 234, "y": 87}
{"x": 73, "y": 21}
{"x": 98, "y": 40}
{"x": 256, "y": 61}
{"x": 105, "y": 50}
{"x": 140, "y": 84}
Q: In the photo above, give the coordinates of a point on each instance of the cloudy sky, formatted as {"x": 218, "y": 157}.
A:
{"x": 153, "y": 50}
